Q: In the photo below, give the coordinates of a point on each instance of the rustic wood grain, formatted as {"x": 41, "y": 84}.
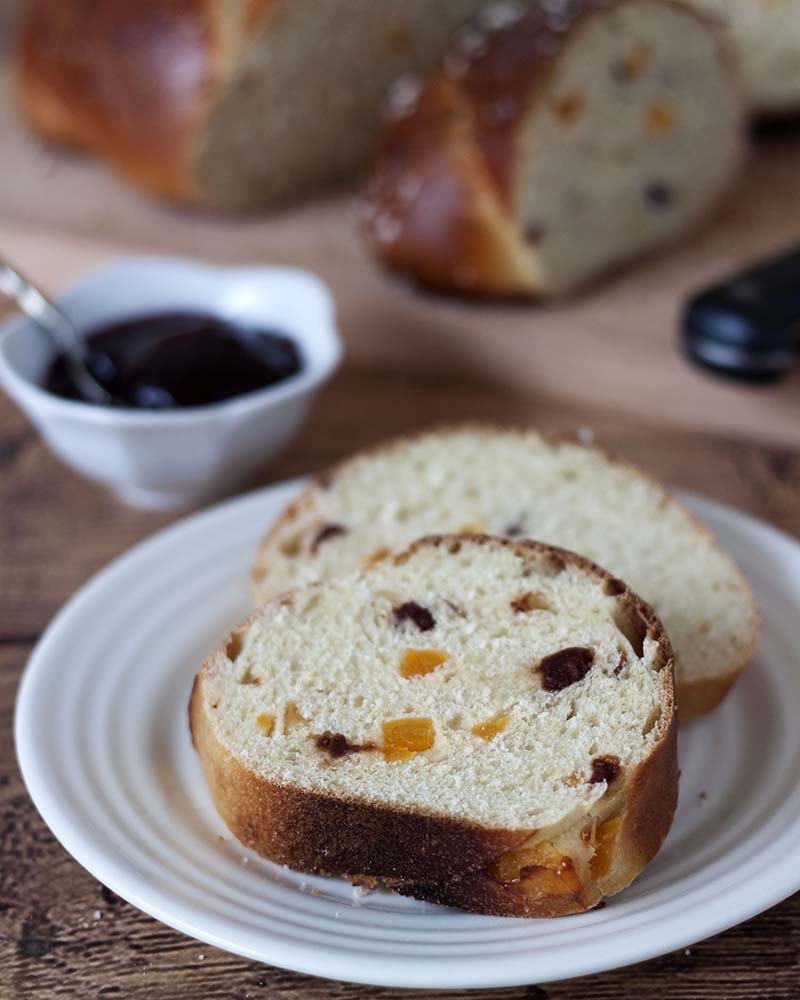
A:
{"x": 62, "y": 934}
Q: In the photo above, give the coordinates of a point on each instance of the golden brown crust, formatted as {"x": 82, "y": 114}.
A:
{"x": 317, "y": 833}
{"x": 700, "y": 696}
{"x": 695, "y": 697}
{"x": 130, "y": 80}
{"x": 437, "y": 857}
{"x": 651, "y": 797}
{"x": 453, "y": 231}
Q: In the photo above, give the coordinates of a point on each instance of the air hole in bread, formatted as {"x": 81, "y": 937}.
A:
{"x": 233, "y": 647}
{"x": 614, "y": 587}
{"x": 292, "y": 545}
{"x": 455, "y": 721}
{"x": 651, "y": 722}
{"x": 454, "y": 548}
{"x": 325, "y": 533}
{"x": 530, "y": 601}
{"x": 631, "y": 624}
{"x": 357, "y": 700}
{"x": 292, "y": 717}
{"x": 551, "y": 565}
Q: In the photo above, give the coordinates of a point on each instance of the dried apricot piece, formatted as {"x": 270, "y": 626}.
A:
{"x": 568, "y": 107}
{"x": 491, "y": 727}
{"x": 404, "y": 738}
{"x": 266, "y": 722}
{"x": 475, "y": 528}
{"x": 541, "y": 870}
{"x": 421, "y": 661}
{"x": 660, "y": 118}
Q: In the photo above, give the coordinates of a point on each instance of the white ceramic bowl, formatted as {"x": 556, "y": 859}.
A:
{"x": 176, "y": 458}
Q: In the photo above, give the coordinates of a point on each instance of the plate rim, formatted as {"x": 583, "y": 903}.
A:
{"x": 326, "y": 960}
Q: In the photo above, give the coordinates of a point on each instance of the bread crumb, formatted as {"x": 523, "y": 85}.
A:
{"x": 97, "y": 915}
{"x": 200, "y": 957}
{"x": 585, "y": 435}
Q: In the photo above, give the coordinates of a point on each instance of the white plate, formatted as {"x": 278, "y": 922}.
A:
{"x": 104, "y": 747}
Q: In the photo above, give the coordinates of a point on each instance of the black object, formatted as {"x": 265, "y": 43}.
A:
{"x": 179, "y": 359}
{"x": 748, "y": 327}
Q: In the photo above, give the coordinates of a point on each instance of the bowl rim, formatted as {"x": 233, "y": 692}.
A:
{"x": 321, "y": 351}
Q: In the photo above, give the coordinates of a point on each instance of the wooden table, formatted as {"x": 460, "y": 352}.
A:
{"x": 62, "y": 934}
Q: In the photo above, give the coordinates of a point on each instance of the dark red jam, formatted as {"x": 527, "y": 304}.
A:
{"x": 179, "y": 359}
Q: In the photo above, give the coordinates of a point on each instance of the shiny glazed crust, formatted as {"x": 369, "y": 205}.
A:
{"x": 440, "y": 858}
{"x": 130, "y": 80}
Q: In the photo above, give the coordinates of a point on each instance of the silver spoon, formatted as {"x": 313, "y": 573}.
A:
{"x": 54, "y": 322}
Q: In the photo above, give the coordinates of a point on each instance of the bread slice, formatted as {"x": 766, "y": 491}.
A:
{"x": 548, "y": 152}
{"x": 235, "y": 104}
{"x": 520, "y": 483}
{"x": 766, "y": 39}
{"x": 475, "y": 721}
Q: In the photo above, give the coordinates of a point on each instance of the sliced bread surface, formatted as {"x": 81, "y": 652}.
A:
{"x": 545, "y": 153}
{"x": 476, "y": 721}
{"x": 522, "y": 484}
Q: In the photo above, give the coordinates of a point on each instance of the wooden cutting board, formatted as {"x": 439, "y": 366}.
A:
{"x": 614, "y": 348}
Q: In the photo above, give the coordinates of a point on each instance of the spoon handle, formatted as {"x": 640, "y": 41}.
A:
{"x": 44, "y": 313}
